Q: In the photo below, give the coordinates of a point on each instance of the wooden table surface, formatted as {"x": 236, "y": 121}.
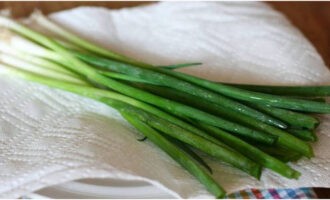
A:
{"x": 312, "y": 18}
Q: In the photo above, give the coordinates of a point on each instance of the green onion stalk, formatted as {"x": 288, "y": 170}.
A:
{"x": 131, "y": 105}
{"x": 227, "y": 90}
{"x": 300, "y": 91}
{"x": 89, "y": 73}
{"x": 285, "y": 139}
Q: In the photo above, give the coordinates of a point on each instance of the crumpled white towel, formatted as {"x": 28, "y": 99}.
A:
{"x": 49, "y": 136}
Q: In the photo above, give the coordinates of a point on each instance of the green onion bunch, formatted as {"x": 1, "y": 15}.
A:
{"x": 246, "y": 126}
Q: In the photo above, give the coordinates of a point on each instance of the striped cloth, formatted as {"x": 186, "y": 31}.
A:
{"x": 299, "y": 193}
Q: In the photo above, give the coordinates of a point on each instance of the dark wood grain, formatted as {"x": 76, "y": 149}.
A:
{"x": 312, "y": 18}
{"x": 24, "y": 8}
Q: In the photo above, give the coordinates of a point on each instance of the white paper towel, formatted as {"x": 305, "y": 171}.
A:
{"x": 49, "y": 136}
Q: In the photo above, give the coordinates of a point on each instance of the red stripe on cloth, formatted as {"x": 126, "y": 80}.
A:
{"x": 257, "y": 193}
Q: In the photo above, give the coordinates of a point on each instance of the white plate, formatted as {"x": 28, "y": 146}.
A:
{"x": 102, "y": 188}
